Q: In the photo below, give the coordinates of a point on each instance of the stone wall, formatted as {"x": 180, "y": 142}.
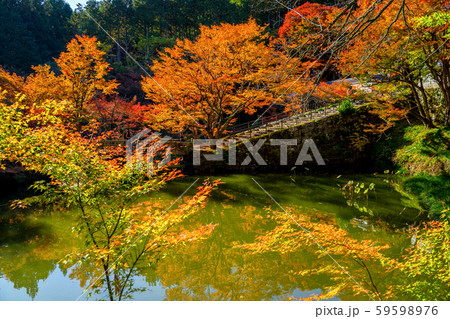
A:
{"x": 332, "y": 135}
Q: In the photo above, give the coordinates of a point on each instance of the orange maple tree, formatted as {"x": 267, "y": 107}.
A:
{"x": 309, "y": 33}
{"x": 203, "y": 85}
{"x": 43, "y": 85}
{"x": 83, "y": 71}
{"x": 11, "y": 83}
{"x": 305, "y": 21}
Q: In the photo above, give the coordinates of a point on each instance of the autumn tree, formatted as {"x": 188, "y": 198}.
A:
{"x": 11, "y": 83}
{"x": 305, "y": 23}
{"x": 401, "y": 43}
{"x": 83, "y": 71}
{"x": 81, "y": 75}
{"x": 203, "y": 85}
{"x": 308, "y": 33}
{"x": 80, "y": 174}
{"x": 43, "y": 84}
{"x": 409, "y": 48}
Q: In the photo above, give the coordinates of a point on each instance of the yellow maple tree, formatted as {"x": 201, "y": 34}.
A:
{"x": 83, "y": 71}
{"x": 82, "y": 74}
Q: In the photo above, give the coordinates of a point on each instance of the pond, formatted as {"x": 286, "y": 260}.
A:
{"x": 33, "y": 243}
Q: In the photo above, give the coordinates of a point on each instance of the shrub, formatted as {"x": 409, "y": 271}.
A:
{"x": 346, "y": 107}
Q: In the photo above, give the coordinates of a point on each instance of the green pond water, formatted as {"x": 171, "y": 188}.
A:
{"x": 33, "y": 243}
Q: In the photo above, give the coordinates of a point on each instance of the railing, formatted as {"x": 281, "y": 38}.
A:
{"x": 268, "y": 121}
{"x": 258, "y": 122}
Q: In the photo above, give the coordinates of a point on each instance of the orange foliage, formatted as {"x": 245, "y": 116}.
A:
{"x": 114, "y": 114}
{"x": 356, "y": 256}
{"x": 11, "y": 83}
{"x": 409, "y": 45}
{"x": 306, "y": 20}
{"x": 305, "y": 36}
{"x": 83, "y": 73}
{"x": 43, "y": 85}
{"x": 389, "y": 114}
{"x": 208, "y": 82}
{"x": 333, "y": 92}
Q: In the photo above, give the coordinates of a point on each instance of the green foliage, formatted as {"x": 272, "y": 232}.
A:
{"x": 426, "y": 150}
{"x": 155, "y": 44}
{"x": 32, "y": 32}
{"x": 433, "y": 192}
{"x": 421, "y": 154}
{"x": 346, "y": 107}
{"x": 435, "y": 19}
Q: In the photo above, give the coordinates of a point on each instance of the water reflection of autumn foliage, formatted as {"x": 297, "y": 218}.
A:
{"x": 42, "y": 246}
{"x": 362, "y": 268}
{"x": 252, "y": 254}
{"x": 218, "y": 269}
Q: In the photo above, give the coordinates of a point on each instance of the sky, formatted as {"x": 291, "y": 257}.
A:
{"x": 73, "y": 3}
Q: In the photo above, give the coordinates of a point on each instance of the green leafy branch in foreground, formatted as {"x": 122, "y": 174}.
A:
{"x": 118, "y": 232}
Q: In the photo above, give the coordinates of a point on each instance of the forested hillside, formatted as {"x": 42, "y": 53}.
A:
{"x": 32, "y": 32}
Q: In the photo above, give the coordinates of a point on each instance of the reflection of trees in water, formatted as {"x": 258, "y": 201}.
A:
{"x": 357, "y": 268}
{"x": 30, "y": 249}
{"x": 28, "y": 274}
{"x": 211, "y": 269}
{"x": 216, "y": 270}
{"x": 122, "y": 281}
